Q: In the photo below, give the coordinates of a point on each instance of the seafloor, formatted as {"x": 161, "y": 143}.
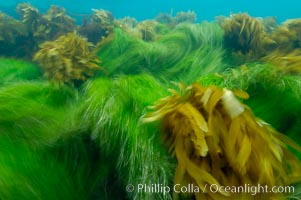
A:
{"x": 166, "y": 108}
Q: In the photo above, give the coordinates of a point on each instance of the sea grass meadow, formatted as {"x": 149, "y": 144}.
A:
{"x": 108, "y": 101}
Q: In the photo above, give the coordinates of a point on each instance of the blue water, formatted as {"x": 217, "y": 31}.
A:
{"x": 147, "y": 9}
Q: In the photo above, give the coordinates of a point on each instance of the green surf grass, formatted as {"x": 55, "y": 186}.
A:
{"x": 112, "y": 113}
{"x": 35, "y": 112}
{"x": 37, "y": 135}
{"x": 89, "y": 142}
{"x": 183, "y": 54}
{"x": 14, "y": 70}
{"x": 29, "y": 174}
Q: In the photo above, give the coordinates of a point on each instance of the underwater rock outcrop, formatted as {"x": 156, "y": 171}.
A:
{"x": 100, "y": 24}
{"x": 286, "y": 55}
{"x": 129, "y": 22}
{"x": 46, "y": 27}
{"x": 288, "y": 35}
{"x": 58, "y": 21}
{"x": 270, "y": 24}
{"x": 68, "y": 59}
{"x": 13, "y": 35}
{"x": 165, "y": 18}
{"x": 147, "y": 30}
{"x": 186, "y": 17}
{"x": 181, "y": 17}
{"x": 13, "y": 29}
{"x": 29, "y": 15}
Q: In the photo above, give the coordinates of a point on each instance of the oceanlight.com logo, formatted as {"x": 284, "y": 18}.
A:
{"x": 213, "y": 188}
{"x": 250, "y": 189}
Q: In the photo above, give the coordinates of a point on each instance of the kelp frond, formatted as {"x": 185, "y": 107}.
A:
{"x": 28, "y": 13}
{"x": 242, "y": 32}
{"x": 287, "y": 62}
{"x": 246, "y": 36}
{"x": 287, "y": 36}
{"x": 264, "y": 82}
{"x": 217, "y": 140}
{"x": 67, "y": 59}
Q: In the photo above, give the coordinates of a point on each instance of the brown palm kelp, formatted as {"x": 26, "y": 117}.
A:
{"x": 67, "y": 59}
{"x": 218, "y": 141}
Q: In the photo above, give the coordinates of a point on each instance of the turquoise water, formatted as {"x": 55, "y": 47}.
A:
{"x": 206, "y": 10}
